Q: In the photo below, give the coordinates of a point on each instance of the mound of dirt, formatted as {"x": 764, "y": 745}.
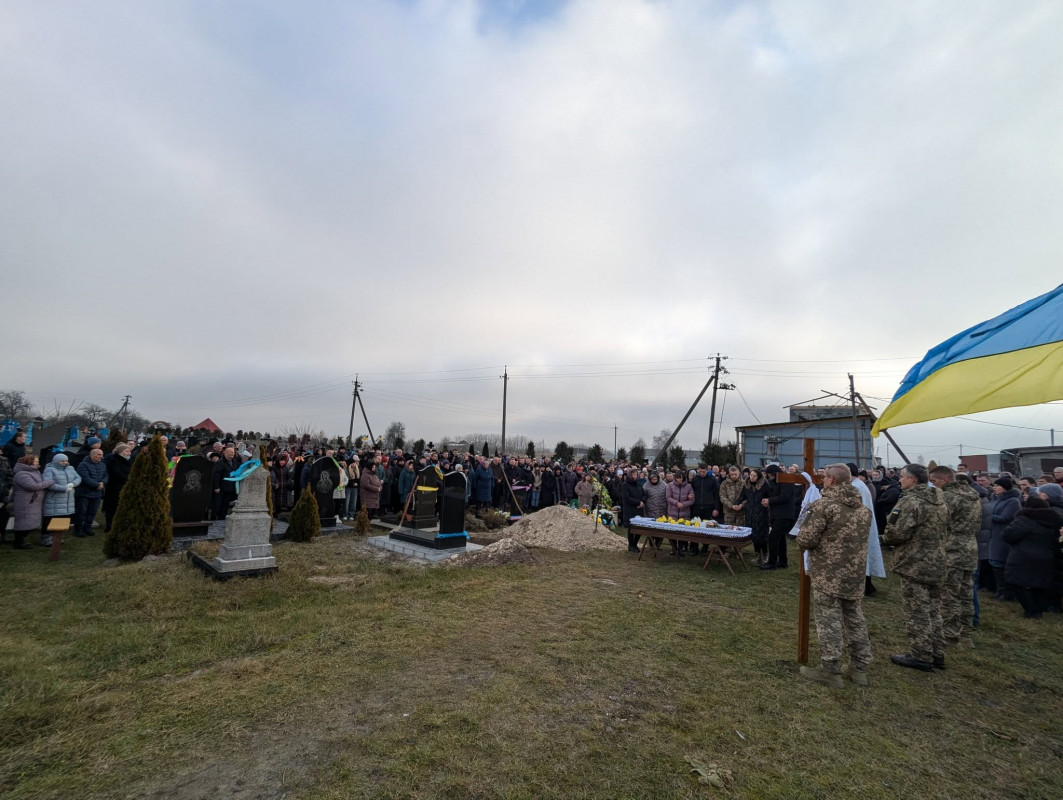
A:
{"x": 504, "y": 551}
{"x": 564, "y": 528}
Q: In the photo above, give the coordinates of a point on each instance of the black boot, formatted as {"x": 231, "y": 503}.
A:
{"x": 20, "y": 541}
{"x": 1003, "y": 592}
{"x": 869, "y": 588}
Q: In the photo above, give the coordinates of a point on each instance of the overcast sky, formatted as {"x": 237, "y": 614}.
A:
{"x": 230, "y": 209}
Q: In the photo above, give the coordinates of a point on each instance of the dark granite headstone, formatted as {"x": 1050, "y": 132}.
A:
{"x": 190, "y": 494}
{"x": 452, "y": 512}
{"x": 324, "y": 478}
{"x": 426, "y": 498}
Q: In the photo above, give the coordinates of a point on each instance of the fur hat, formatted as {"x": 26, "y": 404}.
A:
{"x": 1005, "y": 482}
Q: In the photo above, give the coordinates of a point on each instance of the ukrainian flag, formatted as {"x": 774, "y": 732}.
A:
{"x": 1015, "y": 359}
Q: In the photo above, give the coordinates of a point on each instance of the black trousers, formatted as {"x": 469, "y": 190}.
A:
{"x": 777, "y": 541}
{"x": 1033, "y": 601}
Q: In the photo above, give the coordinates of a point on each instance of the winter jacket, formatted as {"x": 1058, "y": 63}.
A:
{"x": 92, "y": 475}
{"x": 706, "y": 493}
{"x": 117, "y": 475}
{"x": 680, "y": 497}
{"x": 13, "y": 452}
{"x": 1032, "y": 540}
{"x": 569, "y": 479}
{"x": 29, "y": 491}
{"x": 834, "y": 532}
{"x": 987, "y": 526}
{"x": 730, "y": 495}
{"x": 1003, "y": 509}
{"x": 917, "y": 528}
{"x": 630, "y": 497}
{"x": 965, "y": 520}
{"x": 585, "y": 493}
{"x": 656, "y": 500}
{"x": 548, "y": 490}
{"x": 370, "y": 486}
{"x": 782, "y": 502}
{"x": 483, "y": 484}
{"x": 406, "y": 480}
{"x": 59, "y": 500}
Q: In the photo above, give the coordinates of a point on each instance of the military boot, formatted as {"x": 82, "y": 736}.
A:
{"x": 820, "y": 675}
{"x": 857, "y": 675}
{"x": 910, "y": 661}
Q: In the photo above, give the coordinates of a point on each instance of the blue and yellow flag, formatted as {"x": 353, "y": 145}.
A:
{"x": 1015, "y": 359}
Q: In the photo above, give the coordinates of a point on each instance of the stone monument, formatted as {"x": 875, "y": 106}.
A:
{"x": 246, "y": 549}
{"x": 190, "y": 495}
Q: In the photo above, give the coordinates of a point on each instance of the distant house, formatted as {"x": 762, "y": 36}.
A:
{"x": 1019, "y": 461}
{"x": 830, "y": 426}
{"x": 207, "y": 425}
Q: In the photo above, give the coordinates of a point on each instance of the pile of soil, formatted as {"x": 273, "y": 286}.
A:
{"x": 504, "y": 551}
{"x": 564, "y": 528}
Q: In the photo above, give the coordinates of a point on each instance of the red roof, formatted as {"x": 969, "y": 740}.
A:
{"x": 208, "y": 424}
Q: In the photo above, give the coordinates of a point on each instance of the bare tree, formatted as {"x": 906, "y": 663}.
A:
{"x": 14, "y": 405}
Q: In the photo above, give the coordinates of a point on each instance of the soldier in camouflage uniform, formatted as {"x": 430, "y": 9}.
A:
{"x": 731, "y": 496}
{"x": 834, "y": 533}
{"x": 961, "y": 555}
{"x": 917, "y": 527}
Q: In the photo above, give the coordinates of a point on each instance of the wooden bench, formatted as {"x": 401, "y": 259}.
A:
{"x": 57, "y": 527}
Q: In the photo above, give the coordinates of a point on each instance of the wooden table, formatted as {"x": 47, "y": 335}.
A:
{"x": 716, "y": 542}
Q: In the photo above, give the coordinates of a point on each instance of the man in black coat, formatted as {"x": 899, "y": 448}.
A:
{"x": 781, "y": 502}
{"x": 224, "y": 491}
{"x": 631, "y": 498}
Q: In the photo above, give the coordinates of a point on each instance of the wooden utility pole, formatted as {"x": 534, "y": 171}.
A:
{"x": 856, "y": 428}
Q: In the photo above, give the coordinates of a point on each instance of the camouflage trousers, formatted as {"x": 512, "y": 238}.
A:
{"x": 957, "y": 604}
{"x": 922, "y": 607}
{"x": 840, "y": 622}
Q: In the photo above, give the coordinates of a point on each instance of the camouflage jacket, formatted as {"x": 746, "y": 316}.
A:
{"x": 965, "y": 521}
{"x": 917, "y": 527}
{"x": 835, "y": 535}
{"x": 730, "y": 494}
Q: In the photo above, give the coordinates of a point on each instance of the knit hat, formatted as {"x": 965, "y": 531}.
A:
{"x": 772, "y": 469}
{"x": 60, "y": 457}
{"x": 1053, "y": 491}
{"x": 92, "y": 440}
{"x": 1005, "y": 482}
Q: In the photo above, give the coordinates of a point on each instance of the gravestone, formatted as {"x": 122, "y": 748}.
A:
{"x": 246, "y": 549}
{"x": 190, "y": 495}
{"x": 426, "y": 498}
{"x": 452, "y": 512}
{"x": 450, "y": 490}
{"x": 324, "y": 478}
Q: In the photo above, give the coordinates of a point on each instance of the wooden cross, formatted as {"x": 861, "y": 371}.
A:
{"x": 804, "y": 587}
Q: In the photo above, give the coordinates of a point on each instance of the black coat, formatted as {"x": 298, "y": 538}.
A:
{"x": 631, "y": 494}
{"x": 222, "y": 470}
{"x": 1033, "y": 538}
{"x": 706, "y": 492}
{"x": 117, "y": 475}
{"x": 782, "y": 502}
{"x": 548, "y": 489}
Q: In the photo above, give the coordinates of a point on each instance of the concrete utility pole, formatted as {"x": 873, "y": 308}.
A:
{"x": 717, "y": 385}
{"x": 354, "y": 404}
{"x": 505, "y": 389}
{"x": 614, "y": 442}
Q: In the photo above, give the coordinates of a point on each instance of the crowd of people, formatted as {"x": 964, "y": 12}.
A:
{"x": 955, "y": 535}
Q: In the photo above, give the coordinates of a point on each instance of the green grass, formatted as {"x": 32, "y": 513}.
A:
{"x": 586, "y": 676}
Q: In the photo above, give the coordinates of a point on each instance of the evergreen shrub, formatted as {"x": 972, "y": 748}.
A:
{"x": 142, "y": 524}
{"x": 304, "y": 523}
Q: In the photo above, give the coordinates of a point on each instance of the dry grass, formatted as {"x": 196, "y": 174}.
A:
{"x": 588, "y": 675}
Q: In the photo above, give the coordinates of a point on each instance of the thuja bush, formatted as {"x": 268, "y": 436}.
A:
{"x": 361, "y": 522}
{"x": 269, "y": 484}
{"x": 142, "y": 524}
{"x": 304, "y": 523}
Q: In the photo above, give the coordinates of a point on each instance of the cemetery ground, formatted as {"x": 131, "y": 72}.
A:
{"x": 586, "y": 675}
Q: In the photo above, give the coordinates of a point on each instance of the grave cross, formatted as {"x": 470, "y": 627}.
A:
{"x": 804, "y": 587}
